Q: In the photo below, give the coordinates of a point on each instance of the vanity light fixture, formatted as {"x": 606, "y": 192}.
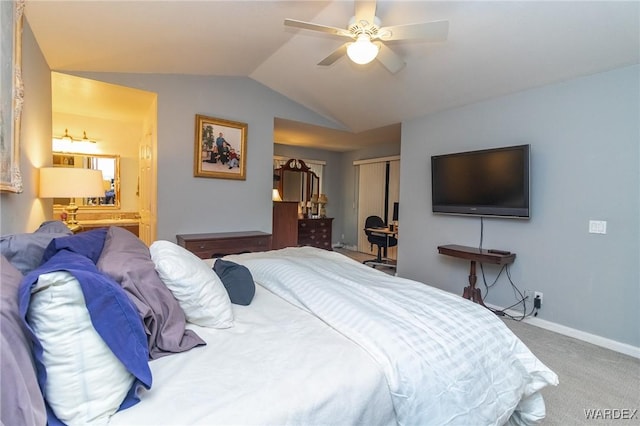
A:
{"x": 68, "y": 138}
{"x": 85, "y": 139}
{"x": 69, "y": 143}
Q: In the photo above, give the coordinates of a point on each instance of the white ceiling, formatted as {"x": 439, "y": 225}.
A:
{"x": 493, "y": 48}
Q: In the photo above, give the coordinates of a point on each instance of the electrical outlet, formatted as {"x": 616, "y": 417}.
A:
{"x": 598, "y": 226}
{"x": 529, "y": 295}
{"x": 538, "y": 295}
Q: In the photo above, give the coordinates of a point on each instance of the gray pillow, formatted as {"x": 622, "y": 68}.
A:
{"x": 237, "y": 280}
{"x": 21, "y": 399}
{"x": 25, "y": 251}
{"x": 54, "y": 227}
{"x": 127, "y": 260}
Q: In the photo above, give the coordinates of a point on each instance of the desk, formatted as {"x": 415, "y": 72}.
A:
{"x": 475, "y": 255}
{"x": 384, "y": 261}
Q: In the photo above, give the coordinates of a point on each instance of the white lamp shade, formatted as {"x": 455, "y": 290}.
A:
{"x": 69, "y": 182}
{"x": 275, "y": 195}
{"x": 362, "y": 51}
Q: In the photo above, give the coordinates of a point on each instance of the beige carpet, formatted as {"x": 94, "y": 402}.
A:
{"x": 591, "y": 378}
{"x": 594, "y": 381}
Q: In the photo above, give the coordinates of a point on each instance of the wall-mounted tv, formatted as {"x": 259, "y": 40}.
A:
{"x": 488, "y": 182}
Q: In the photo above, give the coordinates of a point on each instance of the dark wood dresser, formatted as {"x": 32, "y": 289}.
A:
{"x": 218, "y": 244}
{"x": 315, "y": 232}
{"x": 285, "y": 224}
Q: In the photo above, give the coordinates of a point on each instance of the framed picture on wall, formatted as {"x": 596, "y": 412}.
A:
{"x": 220, "y": 148}
{"x": 12, "y": 94}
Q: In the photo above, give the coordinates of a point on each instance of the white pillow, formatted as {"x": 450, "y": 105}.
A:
{"x": 195, "y": 285}
{"x": 86, "y": 383}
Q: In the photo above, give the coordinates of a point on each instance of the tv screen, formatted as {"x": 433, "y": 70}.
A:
{"x": 488, "y": 182}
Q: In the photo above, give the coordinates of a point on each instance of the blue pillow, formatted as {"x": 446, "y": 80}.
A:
{"x": 237, "y": 280}
{"x": 88, "y": 244}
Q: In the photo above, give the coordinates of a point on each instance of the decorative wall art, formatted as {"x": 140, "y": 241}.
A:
{"x": 12, "y": 95}
{"x": 220, "y": 148}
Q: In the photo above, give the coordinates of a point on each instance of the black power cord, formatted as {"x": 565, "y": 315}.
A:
{"x": 521, "y": 299}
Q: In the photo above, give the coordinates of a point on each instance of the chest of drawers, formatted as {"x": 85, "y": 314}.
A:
{"x": 219, "y": 244}
{"x": 315, "y": 232}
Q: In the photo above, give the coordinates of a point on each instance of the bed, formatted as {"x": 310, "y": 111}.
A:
{"x": 294, "y": 336}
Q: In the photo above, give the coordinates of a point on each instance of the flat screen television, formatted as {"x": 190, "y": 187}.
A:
{"x": 488, "y": 182}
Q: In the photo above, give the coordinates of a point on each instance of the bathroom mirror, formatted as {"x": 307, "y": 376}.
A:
{"x": 110, "y": 167}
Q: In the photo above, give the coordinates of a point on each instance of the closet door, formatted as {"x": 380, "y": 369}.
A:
{"x": 394, "y": 196}
{"x": 371, "y": 194}
{"x": 373, "y": 189}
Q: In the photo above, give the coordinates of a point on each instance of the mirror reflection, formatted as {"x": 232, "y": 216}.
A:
{"x": 296, "y": 181}
{"x": 110, "y": 167}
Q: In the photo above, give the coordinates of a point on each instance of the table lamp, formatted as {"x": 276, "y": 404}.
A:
{"x": 275, "y": 195}
{"x": 69, "y": 182}
{"x": 322, "y": 202}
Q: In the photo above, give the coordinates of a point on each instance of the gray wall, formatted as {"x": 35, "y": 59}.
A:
{"x": 584, "y": 137}
{"x": 24, "y": 212}
{"x": 187, "y": 204}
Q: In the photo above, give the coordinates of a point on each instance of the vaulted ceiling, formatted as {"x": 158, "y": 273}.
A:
{"x": 493, "y": 49}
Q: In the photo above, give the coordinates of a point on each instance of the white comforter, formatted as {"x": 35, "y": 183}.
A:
{"x": 277, "y": 365}
{"x": 446, "y": 360}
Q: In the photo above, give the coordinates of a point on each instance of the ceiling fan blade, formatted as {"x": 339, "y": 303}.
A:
{"x": 365, "y": 10}
{"x": 389, "y": 59}
{"x": 316, "y": 27}
{"x": 428, "y": 31}
{"x": 337, "y": 54}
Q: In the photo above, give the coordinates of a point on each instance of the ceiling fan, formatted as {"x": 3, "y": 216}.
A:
{"x": 365, "y": 28}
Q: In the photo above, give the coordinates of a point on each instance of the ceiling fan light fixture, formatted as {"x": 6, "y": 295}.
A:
{"x": 362, "y": 51}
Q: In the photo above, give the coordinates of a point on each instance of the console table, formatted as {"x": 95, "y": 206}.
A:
{"x": 475, "y": 255}
{"x": 219, "y": 244}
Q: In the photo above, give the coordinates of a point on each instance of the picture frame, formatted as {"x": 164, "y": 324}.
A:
{"x": 12, "y": 97}
{"x": 220, "y": 148}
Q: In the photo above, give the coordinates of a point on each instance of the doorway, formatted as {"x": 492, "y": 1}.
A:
{"x": 378, "y": 191}
{"x": 119, "y": 121}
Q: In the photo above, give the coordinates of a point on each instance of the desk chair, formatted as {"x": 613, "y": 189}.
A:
{"x": 382, "y": 241}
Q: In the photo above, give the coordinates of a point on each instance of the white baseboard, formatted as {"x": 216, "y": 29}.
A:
{"x": 344, "y": 246}
{"x": 594, "y": 339}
